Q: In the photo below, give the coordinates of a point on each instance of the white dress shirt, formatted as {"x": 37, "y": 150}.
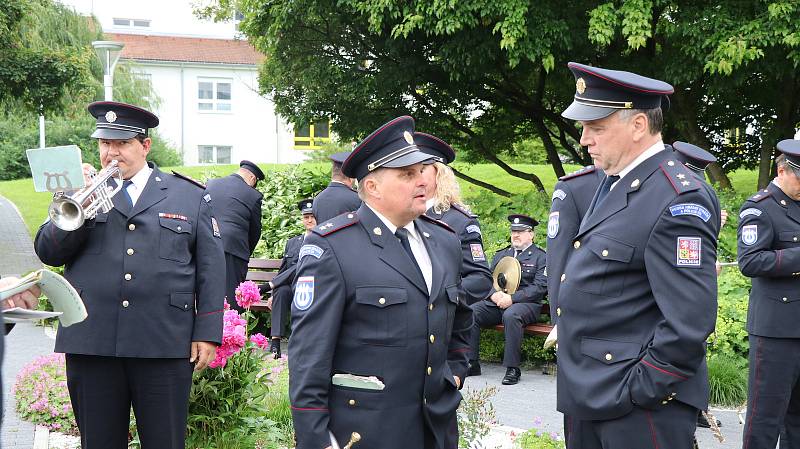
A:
{"x": 417, "y": 247}
{"x": 138, "y": 181}
{"x": 647, "y": 154}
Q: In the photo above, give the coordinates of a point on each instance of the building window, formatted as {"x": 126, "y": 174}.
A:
{"x": 214, "y": 95}
{"x": 313, "y": 136}
{"x": 238, "y": 16}
{"x": 213, "y": 154}
{"x": 131, "y": 23}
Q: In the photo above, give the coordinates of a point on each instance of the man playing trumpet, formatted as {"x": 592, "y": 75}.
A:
{"x": 147, "y": 271}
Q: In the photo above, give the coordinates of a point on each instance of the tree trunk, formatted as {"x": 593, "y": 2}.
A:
{"x": 718, "y": 176}
{"x": 479, "y": 183}
{"x": 765, "y": 163}
{"x": 550, "y": 147}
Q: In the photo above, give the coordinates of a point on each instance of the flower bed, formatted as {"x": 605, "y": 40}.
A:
{"x": 42, "y": 396}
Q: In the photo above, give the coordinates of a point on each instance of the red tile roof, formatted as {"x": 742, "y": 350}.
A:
{"x": 186, "y": 49}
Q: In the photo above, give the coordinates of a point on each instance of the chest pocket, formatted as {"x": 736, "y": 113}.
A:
{"x": 175, "y": 239}
{"x": 382, "y": 317}
{"x": 605, "y": 271}
{"x": 789, "y": 239}
{"x": 97, "y": 234}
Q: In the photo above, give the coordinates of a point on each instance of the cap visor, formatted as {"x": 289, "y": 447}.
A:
{"x": 112, "y": 134}
{"x": 584, "y": 113}
{"x": 415, "y": 157}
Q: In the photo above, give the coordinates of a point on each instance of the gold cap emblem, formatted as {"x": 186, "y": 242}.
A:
{"x": 580, "y": 86}
{"x": 409, "y": 138}
{"x": 111, "y": 116}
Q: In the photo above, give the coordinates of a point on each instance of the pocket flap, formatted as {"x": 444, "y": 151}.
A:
{"x": 610, "y": 249}
{"x": 789, "y": 236}
{"x": 609, "y": 351}
{"x": 183, "y": 301}
{"x": 381, "y": 296}
{"x": 175, "y": 225}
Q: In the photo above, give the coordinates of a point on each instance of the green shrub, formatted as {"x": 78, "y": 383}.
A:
{"x": 42, "y": 396}
{"x": 533, "y": 354}
{"x": 476, "y": 416}
{"x": 730, "y": 336}
{"x": 539, "y": 438}
{"x": 727, "y": 378}
{"x": 280, "y": 218}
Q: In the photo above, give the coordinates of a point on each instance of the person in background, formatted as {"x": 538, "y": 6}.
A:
{"x": 339, "y": 197}
{"x": 444, "y": 203}
{"x": 517, "y": 310}
{"x": 281, "y": 285}
{"x": 237, "y": 207}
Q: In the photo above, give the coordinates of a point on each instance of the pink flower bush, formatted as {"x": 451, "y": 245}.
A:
{"x": 247, "y": 294}
{"x": 42, "y": 396}
{"x": 234, "y": 337}
{"x": 260, "y": 340}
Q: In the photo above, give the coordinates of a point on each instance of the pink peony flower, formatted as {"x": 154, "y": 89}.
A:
{"x": 234, "y": 337}
{"x": 260, "y": 340}
{"x": 247, "y": 294}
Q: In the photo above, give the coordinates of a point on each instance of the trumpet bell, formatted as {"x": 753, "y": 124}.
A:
{"x": 66, "y": 213}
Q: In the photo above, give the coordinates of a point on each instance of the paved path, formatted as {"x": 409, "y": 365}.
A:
{"x": 533, "y": 400}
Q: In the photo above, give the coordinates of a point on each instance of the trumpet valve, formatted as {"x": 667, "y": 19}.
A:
{"x": 354, "y": 438}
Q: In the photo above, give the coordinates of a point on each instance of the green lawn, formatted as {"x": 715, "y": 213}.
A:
{"x": 33, "y": 205}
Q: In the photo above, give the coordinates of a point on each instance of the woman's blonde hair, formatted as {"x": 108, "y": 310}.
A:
{"x": 447, "y": 189}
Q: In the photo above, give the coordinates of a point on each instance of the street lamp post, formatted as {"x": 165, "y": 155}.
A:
{"x": 108, "y": 52}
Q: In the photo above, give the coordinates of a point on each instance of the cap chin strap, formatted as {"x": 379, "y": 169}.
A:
{"x": 694, "y": 167}
{"x": 604, "y": 103}
{"x": 121, "y": 127}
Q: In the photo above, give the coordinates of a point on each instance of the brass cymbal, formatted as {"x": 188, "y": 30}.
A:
{"x": 507, "y": 275}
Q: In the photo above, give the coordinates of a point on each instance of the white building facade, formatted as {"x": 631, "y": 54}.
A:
{"x": 206, "y": 77}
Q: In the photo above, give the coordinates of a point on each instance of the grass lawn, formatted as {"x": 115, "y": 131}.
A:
{"x": 33, "y": 205}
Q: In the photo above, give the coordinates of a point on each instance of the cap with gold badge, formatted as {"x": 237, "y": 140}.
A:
{"x": 601, "y": 92}
{"x": 390, "y": 146}
{"x": 521, "y": 222}
{"x": 120, "y": 121}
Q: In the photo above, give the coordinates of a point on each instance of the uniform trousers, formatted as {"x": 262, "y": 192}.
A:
{"x": 671, "y": 426}
{"x": 281, "y": 304}
{"x": 514, "y": 318}
{"x": 235, "y": 274}
{"x": 773, "y": 398}
{"x": 102, "y": 390}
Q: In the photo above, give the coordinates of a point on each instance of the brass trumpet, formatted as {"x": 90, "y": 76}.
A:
{"x": 70, "y": 212}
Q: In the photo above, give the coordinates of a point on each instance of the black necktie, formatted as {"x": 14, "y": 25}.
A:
{"x": 604, "y": 189}
{"x": 402, "y": 234}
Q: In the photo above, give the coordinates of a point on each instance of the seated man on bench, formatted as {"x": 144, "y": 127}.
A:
{"x": 281, "y": 285}
{"x": 513, "y": 311}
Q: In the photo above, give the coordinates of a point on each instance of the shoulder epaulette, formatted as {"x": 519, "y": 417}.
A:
{"x": 679, "y": 177}
{"x": 583, "y": 171}
{"x": 336, "y": 224}
{"x": 760, "y": 196}
{"x": 187, "y": 178}
{"x": 463, "y": 210}
{"x": 438, "y": 222}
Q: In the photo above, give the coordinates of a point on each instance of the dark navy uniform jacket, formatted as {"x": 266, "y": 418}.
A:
{"x": 361, "y": 307}
{"x": 334, "y": 200}
{"x": 237, "y": 207}
{"x": 638, "y": 296}
{"x": 533, "y": 285}
{"x": 152, "y": 281}
{"x": 572, "y": 195}
{"x": 476, "y": 279}
{"x": 286, "y": 272}
{"x": 769, "y": 253}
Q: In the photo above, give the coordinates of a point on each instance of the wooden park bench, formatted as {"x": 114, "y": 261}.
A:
{"x": 535, "y": 328}
{"x": 262, "y": 271}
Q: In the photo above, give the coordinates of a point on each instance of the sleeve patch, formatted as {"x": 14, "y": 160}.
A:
{"x": 477, "y": 252}
{"x": 215, "y": 227}
{"x": 473, "y": 228}
{"x": 749, "y": 234}
{"x": 690, "y": 209}
{"x": 304, "y": 292}
{"x": 310, "y": 250}
{"x": 207, "y": 197}
{"x": 552, "y": 225}
{"x": 750, "y": 211}
{"x": 689, "y": 251}
{"x": 560, "y": 194}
